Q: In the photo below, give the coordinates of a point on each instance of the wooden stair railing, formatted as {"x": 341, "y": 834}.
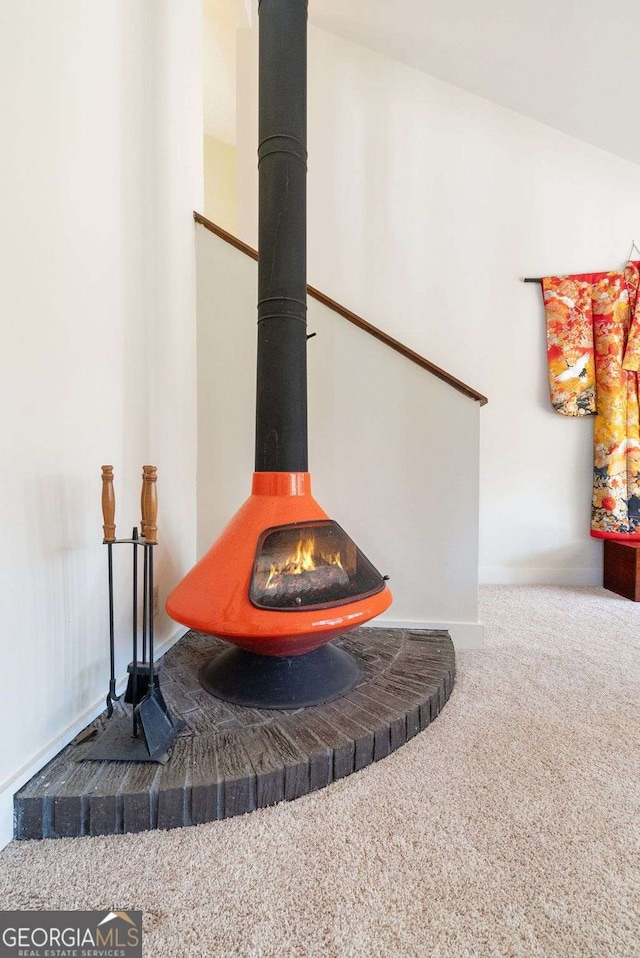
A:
{"x": 353, "y": 318}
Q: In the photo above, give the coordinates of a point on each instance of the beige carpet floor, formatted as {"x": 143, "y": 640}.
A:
{"x": 510, "y": 827}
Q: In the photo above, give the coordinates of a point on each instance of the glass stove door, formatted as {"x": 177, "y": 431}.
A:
{"x": 310, "y": 565}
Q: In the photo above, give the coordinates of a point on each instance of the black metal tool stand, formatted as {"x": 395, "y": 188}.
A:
{"x": 150, "y": 731}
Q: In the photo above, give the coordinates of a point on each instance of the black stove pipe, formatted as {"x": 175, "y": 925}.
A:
{"x": 281, "y": 401}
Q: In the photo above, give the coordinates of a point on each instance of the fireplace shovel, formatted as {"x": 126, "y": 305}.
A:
{"x": 158, "y": 727}
{"x": 152, "y": 714}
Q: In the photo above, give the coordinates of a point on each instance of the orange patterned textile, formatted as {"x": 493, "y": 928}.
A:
{"x": 593, "y": 349}
{"x": 572, "y": 374}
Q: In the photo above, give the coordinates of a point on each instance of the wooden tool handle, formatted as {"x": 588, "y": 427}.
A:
{"x": 149, "y": 503}
{"x": 108, "y": 504}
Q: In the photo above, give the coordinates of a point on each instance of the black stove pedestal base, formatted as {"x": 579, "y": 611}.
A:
{"x": 281, "y": 682}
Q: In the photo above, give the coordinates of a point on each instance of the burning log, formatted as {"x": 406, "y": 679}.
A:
{"x": 286, "y": 587}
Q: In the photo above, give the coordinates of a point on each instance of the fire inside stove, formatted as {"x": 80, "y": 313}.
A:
{"x": 310, "y": 565}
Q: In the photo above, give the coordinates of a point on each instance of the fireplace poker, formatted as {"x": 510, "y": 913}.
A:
{"x": 140, "y": 667}
{"x": 157, "y": 725}
{"x": 149, "y": 503}
{"x": 109, "y": 532}
{"x": 145, "y": 603}
{"x": 145, "y": 571}
{"x": 134, "y": 636}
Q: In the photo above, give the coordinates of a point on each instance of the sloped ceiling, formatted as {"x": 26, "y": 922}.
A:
{"x": 573, "y": 64}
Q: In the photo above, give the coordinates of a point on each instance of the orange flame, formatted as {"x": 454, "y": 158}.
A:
{"x": 304, "y": 559}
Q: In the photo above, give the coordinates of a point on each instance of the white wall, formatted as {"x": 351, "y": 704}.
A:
{"x": 220, "y": 183}
{"x": 100, "y": 170}
{"x": 247, "y": 133}
{"x": 219, "y": 24}
{"x": 393, "y": 451}
{"x": 426, "y": 207}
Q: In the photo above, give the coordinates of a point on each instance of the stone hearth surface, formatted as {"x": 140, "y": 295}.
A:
{"x": 229, "y": 759}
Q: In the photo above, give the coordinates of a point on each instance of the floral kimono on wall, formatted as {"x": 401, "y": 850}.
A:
{"x": 593, "y": 348}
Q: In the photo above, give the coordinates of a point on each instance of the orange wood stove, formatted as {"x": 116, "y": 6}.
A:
{"x": 283, "y": 579}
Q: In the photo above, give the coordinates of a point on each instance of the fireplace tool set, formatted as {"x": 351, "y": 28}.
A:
{"x": 150, "y": 730}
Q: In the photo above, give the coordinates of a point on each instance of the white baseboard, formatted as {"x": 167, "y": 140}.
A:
{"x": 464, "y": 635}
{"x": 11, "y": 785}
{"x": 509, "y": 575}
